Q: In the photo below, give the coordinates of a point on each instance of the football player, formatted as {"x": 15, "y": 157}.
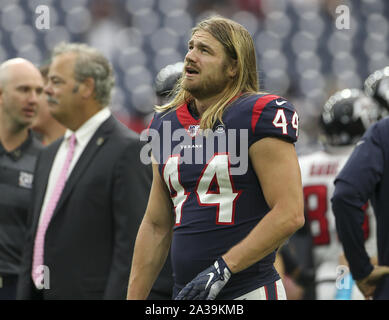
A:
{"x": 345, "y": 117}
{"x": 226, "y": 188}
{"x": 365, "y": 177}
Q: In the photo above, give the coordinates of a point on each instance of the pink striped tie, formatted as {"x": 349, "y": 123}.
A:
{"x": 37, "y": 262}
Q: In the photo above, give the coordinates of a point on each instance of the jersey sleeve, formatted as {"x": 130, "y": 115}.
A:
{"x": 154, "y": 124}
{"x": 273, "y": 116}
{"x": 349, "y": 216}
{"x": 364, "y": 168}
{"x": 153, "y": 135}
{"x": 354, "y": 185}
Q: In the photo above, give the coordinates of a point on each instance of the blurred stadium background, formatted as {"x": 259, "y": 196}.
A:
{"x": 301, "y": 54}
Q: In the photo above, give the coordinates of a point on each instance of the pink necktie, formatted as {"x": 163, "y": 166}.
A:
{"x": 37, "y": 262}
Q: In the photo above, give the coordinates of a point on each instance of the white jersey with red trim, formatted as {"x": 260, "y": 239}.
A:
{"x": 318, "y": 171}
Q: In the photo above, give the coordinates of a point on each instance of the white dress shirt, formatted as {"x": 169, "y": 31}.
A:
{"x": 83, "y": 135}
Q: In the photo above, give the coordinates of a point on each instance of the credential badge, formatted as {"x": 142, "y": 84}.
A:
{"x": 25, "y": 179}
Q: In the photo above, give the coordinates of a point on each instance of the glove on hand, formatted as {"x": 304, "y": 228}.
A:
{"x": 207, "y": 284}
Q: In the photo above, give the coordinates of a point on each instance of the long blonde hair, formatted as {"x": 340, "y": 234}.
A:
{"x": 239, "y": 47}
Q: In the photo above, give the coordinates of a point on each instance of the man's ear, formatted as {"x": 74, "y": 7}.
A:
{"x": 87, "y": 88}
{"x": 233, "y": 68}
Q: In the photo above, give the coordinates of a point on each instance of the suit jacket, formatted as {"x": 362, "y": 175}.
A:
{"x": 90, "y": 239}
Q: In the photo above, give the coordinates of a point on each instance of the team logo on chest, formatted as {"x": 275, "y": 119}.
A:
{"x": 196, "y": 146}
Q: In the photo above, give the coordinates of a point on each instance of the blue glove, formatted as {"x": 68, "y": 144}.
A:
{"x": 207, "y": 284}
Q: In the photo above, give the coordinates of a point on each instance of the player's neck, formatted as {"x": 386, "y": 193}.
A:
{"x": 204, "y": 104}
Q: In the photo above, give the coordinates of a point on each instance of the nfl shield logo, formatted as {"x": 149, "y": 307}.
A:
{"x": 192, "y": 129}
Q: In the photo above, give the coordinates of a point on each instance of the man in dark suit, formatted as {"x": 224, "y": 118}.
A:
{"x": 90, "y": 190}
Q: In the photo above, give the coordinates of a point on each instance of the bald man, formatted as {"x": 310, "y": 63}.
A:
{"x": 21, "y": 87}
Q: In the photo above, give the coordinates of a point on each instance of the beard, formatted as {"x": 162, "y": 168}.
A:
{"x": 207, "y": 87}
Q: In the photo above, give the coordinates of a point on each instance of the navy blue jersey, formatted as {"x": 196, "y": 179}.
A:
{"x": 216, "y": 194}
{"x": 365, "y": 176}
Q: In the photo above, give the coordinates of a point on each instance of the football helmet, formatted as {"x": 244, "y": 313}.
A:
{"x": 167, "y": 78}
{"x": 377, "y": 86}
{"x": 346, "y": 116}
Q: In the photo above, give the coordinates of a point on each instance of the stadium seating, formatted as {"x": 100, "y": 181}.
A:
{"x": 301, "y": 54}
